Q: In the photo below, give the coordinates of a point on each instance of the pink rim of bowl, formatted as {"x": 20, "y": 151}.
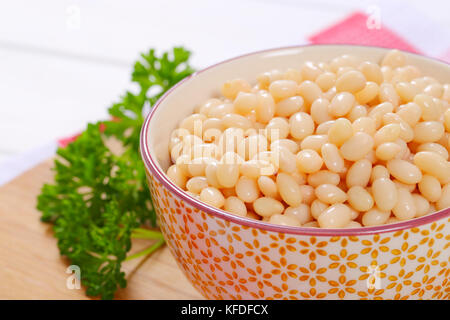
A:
{"x": 162, "y": 178}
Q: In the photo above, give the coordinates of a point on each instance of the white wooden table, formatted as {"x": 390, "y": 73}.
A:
{"x": 63, "y": 62}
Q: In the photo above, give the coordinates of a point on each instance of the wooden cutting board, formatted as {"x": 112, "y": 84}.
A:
{"x": 30, "y": 264}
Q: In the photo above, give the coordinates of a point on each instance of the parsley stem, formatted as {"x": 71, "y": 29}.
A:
{"x": 140, "y": 233}
{"x": 146, "y": 251}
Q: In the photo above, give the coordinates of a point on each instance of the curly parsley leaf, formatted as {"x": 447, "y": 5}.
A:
{"x": 99, "y": 199}
{"x": 154, "y": 76}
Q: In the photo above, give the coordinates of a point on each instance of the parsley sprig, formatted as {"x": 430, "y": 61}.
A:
{"x": 99, "y": 200}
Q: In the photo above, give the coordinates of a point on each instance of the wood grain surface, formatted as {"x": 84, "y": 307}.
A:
{"x": 30, "y": 264}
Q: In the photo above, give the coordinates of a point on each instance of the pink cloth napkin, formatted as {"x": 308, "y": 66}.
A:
{"x": 358, "y": 28}
{"x": 353, "y": 30}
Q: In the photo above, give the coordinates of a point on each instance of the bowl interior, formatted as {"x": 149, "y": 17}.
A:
{"x": 181, "y": 100}
{"x": 206, "y": 84}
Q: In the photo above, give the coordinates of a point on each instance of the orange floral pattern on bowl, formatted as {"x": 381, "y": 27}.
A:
{"x": 226, "y": 260}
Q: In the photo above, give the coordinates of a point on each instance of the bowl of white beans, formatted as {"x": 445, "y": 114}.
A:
{"x": 307, "y": 172}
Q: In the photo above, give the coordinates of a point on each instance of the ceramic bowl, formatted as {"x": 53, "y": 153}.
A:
{"x": 230, "y": 257}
